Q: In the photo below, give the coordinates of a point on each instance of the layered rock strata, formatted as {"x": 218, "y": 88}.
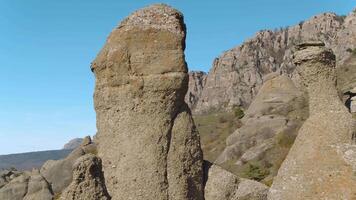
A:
{"x": 146, "y": 136}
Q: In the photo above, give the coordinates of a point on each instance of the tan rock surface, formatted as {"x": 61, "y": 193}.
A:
{"x": 146, "y": 136}
{"x": 38, "y": 188}
{"x": 223, "y": 185}
{"x": 59, "y": 172}
{"x": 316, "y": 166}
{"x": 88, "y": 180}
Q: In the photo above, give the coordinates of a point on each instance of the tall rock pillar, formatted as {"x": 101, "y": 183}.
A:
{"x": 147, "y": 138}
{"x": 318, "y": 165}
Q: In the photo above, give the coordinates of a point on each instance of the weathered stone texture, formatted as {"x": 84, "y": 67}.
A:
{"x": 38, "y": 188}
{"x": 195, "y": 87}
{"x": 316, "y": 166}
{"x": 88, "y": 180}
{"x": 146, "y": 136}
{"x": 223, "y": 185}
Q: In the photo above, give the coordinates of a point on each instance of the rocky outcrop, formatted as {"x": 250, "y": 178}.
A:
{"x": 146, "y": 136}
{"x": 195, "y": 87}
{"x": 318, "y": 164}
{"x": 73, "y": 144}
{"x": 269, "y": 127}
{"x": 88, "y": 180}
{"x": 38, "y": 188}
{"x": 7, "y": 175}
{"x": 16, "y": 189}
{"x": 237, "y": 75}
{"x": 223, "y": 185}
{"x": 59, "y": 172}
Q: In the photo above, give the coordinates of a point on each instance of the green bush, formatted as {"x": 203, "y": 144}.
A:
{"x": 238, "y": 112}
{"x": 256, "y": 172}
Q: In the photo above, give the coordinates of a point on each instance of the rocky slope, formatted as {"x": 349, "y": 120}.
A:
{"x": 30, "y": 160}
{"x": 237, "y": 75}
{"x": 196, "y": 84}
{"x": 268, "y": 130}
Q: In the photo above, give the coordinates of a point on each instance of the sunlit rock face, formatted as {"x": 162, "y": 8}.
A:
{"x": 146, "y": 136}
{"x": 319, "y": 164}
{"x": 237, "y": 74}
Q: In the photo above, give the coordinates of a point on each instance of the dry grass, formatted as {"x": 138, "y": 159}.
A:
{"x": 214, "y": 128}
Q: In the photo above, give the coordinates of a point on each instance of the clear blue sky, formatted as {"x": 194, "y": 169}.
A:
{"x": 46, "y": 48}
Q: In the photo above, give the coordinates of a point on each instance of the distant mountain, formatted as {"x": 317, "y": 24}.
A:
{"x": 30, "y": 160}
{"x": 73, "y": 144}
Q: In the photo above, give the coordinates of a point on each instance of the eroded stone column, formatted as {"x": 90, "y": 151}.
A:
{"x": 147, "y": 138}
{"x": 317, "y": 166}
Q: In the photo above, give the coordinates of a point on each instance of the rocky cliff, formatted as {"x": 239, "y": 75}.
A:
{"x": 195, "y": 87}
{"x": 237, "y": 75}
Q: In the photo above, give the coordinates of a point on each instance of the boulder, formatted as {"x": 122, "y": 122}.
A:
{"x": 223, "y": 185}
{"x": 7, "y": 175}
{"x": 59, "y": 172}
{"x": 88, "y": 180}
{"x": 38, "y": 188}
{"x": 316, "y": 166}
{"x": 16, "y": 189}
{"x": 146, "y": 136}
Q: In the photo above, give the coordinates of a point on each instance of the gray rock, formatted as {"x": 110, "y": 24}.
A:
{"x": 38, "y": 188}
{"x": 88, "y": 180}
{"x": 223, "y": 185}
{"x": 353, "y": 105}
{"x": 7, "y": 175}
{"x": 16, "y": 189}
{"x": 195, "y": 87}
{"x": 314, "y": 167}
{"x": 146, "y": 136}
{"x": 59, "y": 172}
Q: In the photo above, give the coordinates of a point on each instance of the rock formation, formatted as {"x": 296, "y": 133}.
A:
{"x": 16, "y": 189}
{"x": 7, "y": 175}
{"x": 88, "y": 180}
{"x": 146, "y": 136}
{"x": 223, "y": 185}
{"x": 59, "y": 172}
{"x": 38, "y": 188}
{"x": 237, "y": 75}
{"x": 318, "y": 164}
{"x": 195, "y": 87}
{"x": 269, "y": 127}
{"x": 73, "y": 144}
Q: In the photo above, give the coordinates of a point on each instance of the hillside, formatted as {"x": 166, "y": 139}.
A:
{"x": 237, "y": 74}
{"x": 27, "y": 161}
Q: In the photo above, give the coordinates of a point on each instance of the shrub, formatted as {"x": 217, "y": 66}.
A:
{"x": 256, "y": 172}
{"x": 238, "y": 112}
